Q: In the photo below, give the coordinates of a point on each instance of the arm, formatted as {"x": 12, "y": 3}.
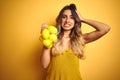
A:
{"x": 45, "y": 56}
{"x": 100, "y": 29}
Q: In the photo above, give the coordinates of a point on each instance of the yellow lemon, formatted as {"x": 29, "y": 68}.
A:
{"x": 45, "y": 33}
{"x": 47, "y": 43}
{"x": 52, "y": 29}
{"x": 50, "y": 46}
{"x": 53, "y": 37}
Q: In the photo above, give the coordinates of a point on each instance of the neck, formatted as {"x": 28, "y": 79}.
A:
{"x": 66, "y": 34}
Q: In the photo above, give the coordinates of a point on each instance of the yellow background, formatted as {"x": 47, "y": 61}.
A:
{"x": 20, "y": 46}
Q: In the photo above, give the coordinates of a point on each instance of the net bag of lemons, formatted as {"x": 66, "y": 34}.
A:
{"x": 49, "y": 36}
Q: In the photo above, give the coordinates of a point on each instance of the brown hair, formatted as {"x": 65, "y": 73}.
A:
{"x": 76, "y": 40}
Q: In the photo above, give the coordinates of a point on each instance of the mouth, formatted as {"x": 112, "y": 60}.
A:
{"x": 67, "y": 24}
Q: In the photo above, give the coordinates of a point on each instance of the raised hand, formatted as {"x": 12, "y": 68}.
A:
{"x": 81, "y": 18}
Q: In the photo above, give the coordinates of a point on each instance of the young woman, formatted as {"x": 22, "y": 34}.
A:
{"x": 62, "y": 60}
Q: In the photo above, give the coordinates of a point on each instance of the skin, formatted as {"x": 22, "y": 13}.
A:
{"x": 67, "y": 21}
{"x": 67, "y": 24}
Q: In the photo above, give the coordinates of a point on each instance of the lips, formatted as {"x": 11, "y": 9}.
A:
{"x": 67, "y": 24}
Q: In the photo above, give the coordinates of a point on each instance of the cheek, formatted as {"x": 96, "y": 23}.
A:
{"x": 73, "y": 22}
{"x": 63, "y": 21}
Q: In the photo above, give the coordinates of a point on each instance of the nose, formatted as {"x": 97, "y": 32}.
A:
{"x": 67, "y": 19}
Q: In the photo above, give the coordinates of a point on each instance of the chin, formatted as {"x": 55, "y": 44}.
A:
{"x": 67, "y": 29}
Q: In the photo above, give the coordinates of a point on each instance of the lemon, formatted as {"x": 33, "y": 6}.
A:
{"x": 47, "y": 43}
{"x": 45, "y": 33}
{"x": 52, "y": 29}
{"x": 53, "y": 37}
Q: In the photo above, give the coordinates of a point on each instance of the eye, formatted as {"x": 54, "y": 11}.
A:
{"x": 71, "y": 17}
{"x": 63, "y": 16}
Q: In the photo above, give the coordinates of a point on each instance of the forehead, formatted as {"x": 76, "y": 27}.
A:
{"x": 67, "y": 12}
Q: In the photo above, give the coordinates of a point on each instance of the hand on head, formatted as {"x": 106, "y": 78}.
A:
{"x": 79, "y": 15}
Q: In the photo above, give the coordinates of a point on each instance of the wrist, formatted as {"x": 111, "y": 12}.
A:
{"x": 82, "y": 20}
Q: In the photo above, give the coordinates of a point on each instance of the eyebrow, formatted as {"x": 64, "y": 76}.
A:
{"x": 66, "y": 15}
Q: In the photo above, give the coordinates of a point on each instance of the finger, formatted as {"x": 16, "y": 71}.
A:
{"x": 44, "y": 25}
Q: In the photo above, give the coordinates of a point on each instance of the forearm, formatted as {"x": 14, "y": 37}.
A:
{"x": 45, "y": 58}
{"x": 99, "y": 26}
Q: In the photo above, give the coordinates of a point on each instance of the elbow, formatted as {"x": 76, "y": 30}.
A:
{"x": 44, "y": 66}
{"x": 106, "y": 29}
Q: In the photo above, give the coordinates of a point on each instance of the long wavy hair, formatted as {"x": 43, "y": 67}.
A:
{"x": 76, "y": 40}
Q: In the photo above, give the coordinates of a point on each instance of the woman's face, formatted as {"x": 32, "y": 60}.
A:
{"x": 67, "y": 20}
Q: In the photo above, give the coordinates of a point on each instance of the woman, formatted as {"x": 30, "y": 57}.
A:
{"x": 62, "y": 60}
